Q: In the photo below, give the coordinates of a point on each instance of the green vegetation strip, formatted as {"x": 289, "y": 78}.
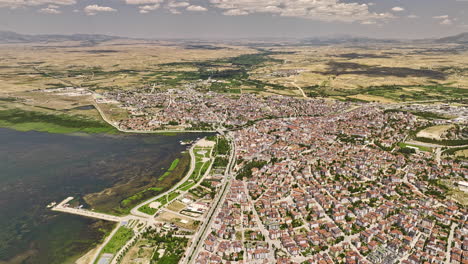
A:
{"x": 118, "y": 240}
{"x": 174, "y": 164}
{"x": 29, "y": 120}
{"x": 405, "y": 93}
{"x": 453, "y": 150}
{"x": 421, "y": 148}
{"x": 147, "y": 210}
{"x": 140, "y": 196}
{"x": 446, "y": 142}
{"x": 169, "y": 171}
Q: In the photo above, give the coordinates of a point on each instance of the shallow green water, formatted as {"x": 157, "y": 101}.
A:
{"x": 37, "y": 168}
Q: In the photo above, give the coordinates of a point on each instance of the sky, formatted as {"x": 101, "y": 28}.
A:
{"x": 231, "y": 19}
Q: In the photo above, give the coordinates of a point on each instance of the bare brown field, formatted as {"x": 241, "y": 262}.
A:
{"x": 347, "y": 68}
{"x": 176, "y": 206}
{"x": 372, "y": 98}
{"x": 120, "y": 64}
{"x": 462, "y": 153}
{"x": 183, "y": 222}
{"x": 338, "y": 71}
{"x": 434, "y": 132}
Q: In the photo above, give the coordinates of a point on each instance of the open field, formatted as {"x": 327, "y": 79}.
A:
{"x": 123, "y": 64}
{"x": 433, "y": 132}
{"x": 176, "y": 206}
{"x": 156, "y": 247}
{"x": 421, "y": 148}
{"x": 23, "y": 120}
{"x": 384, "y": 73}
{"x": 180, "y": 221}
{"x": 462, "y": 153}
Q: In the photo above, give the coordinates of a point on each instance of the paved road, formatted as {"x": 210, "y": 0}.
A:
{"x": 134, "y": 215}
{"x": 98, "y": 252}
{"x": 449, "y": 243}
{"x": 197, "y": 241}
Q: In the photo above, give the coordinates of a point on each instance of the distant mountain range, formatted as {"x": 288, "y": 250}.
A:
{"x": 341, "y": 39}
{"x": 460, "y": 38}
{"x": 13, "y": 37}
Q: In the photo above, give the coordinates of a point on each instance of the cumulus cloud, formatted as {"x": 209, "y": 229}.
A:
{"x": 147, "y": 8}
{"x": 174, "y": 11}
{"x": 444, "y": 19}
{"x": 413, "y": 16}
{"x": 398, "y": 9}
{"x": 441, "y": 17}
{"x": 92, "y": 10}
{"x": 235, "y": 12}
{"x": 51, "y": 9}
{"x": 174, "y": 4}
{"x": 324, "y": 10}
{"x": 196, "y": 8}
{"x": 446, "y": 22}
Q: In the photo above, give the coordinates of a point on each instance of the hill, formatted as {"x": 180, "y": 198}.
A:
{"x": 13, "y": 37}
{"x": 460, "y": 39}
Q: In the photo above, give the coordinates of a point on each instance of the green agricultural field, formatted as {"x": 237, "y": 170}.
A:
{"x": 392, "y": 93}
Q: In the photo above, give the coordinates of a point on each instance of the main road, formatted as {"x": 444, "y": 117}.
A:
{"x": 197, "y": 241}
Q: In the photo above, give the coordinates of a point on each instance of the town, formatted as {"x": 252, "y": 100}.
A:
{"x": 314, "y": 181}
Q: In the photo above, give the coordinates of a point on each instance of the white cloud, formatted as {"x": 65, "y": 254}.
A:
{"x": 441, "y": 17}
{"x": 446, "y": 22}
{"x": 51, "y": 9}
{"x": 92, "y": 10}
{"x": 413, "y": 16}
{"x": 444, "y": 19}
{"x": 147, "y": 8}
{"x": 174, "y": 4}
{"x": 174, "y": 11}
{"x": 323, "y": 10}
{"x": 398, "y": 9}
{"x": 196, "y": 8}
{"x": 235, "y": 12}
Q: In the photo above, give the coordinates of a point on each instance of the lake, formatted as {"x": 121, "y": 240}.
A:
{"x": 38, "y": 168}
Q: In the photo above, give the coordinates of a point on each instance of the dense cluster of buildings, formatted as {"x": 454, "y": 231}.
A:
{"x": 190, "y": 109}
{"x": 335, "y": 189}
{"x": 328, "y": 182}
